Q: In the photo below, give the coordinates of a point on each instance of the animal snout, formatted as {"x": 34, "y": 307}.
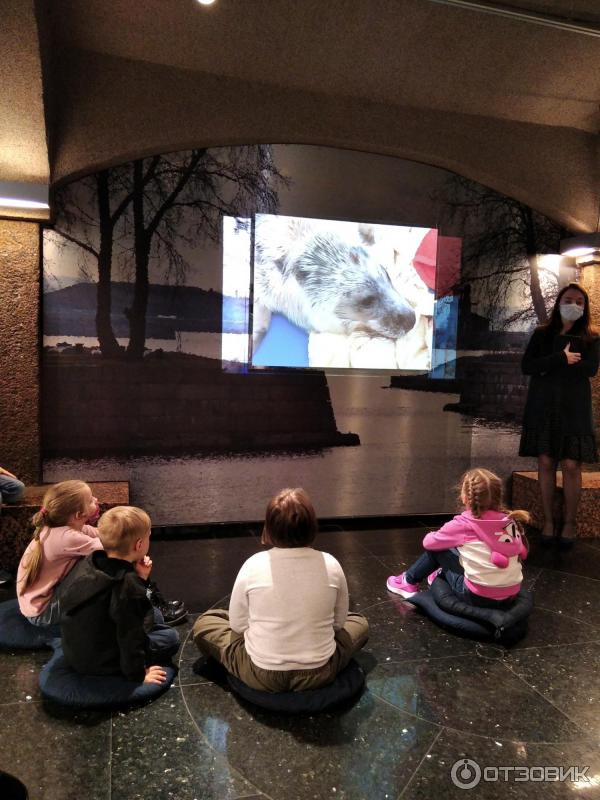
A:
{"x": 399, "y": 322}
{"x": 384, "y": 312}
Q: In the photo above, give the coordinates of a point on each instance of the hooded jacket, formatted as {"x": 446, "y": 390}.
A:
{"x": 105, "y": 618}
{"x": 489, "y": 549}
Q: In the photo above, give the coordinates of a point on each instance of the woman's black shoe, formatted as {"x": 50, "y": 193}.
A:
{"x": 566, "y": 544}
{"x": 547, "y": 539}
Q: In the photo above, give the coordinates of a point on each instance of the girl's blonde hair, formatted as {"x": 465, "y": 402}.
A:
{"x": 481, "y": 491}
{"x": 60, "y": 502}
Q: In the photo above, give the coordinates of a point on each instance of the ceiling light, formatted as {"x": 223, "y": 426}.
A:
{"x": 206, "y": 2}
{"x": 583, "y": 245}
{"x": 24, "y": 195}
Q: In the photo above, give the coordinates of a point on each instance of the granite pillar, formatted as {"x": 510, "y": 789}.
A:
{"x": 20, "y": 256}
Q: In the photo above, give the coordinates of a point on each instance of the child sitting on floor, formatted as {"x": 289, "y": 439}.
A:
{"x": 61, "y": 537}
{"x": 479, "y": 552}
{"x": 288, "y": 626}
{"x": 108, "y": 624}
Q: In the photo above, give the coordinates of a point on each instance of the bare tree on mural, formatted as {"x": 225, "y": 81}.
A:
{"x": 88, "y": 213}
{"x": 502, "y": 240}
{"x": 179, "y": 201}
{"x": 166, "y": 204}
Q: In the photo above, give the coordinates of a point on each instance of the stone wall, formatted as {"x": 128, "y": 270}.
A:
{"x": 178, "y": 403}
{"x": 526, "y": 494}
{"x": 19, "y": 349}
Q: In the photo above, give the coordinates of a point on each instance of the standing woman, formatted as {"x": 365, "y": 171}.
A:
{"x": 561, "y": 357}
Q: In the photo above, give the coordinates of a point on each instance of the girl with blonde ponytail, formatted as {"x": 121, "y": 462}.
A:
{"x": 479, "y": 552}
{"x": 61, "y": 536}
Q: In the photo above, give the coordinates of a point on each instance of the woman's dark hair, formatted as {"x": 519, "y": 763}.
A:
{"x": 290, "y": 520}
{"x": 582, "y": 327}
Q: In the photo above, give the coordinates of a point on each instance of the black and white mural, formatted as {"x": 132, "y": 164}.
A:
{"x": 219, "y": 323}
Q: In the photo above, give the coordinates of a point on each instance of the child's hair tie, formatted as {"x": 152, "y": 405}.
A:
{"x": 43, "y": 511}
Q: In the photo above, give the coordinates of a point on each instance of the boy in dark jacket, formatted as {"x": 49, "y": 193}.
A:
{"x": 109, "y": 626}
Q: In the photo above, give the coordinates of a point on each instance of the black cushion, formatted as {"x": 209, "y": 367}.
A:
{"x": 17, "y": 633}
{"x": 425, "y": 601}
{"x": 60, "y": 683}
{"x": 505, "y": 626}
{"x": 347, "y": 683}
{"x": 11, "y": 788}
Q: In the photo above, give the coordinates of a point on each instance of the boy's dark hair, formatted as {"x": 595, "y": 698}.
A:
{"x": 290, "y": 520}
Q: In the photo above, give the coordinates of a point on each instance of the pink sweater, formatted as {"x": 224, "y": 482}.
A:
{"x": 61, "y": 547}
{"x": 489, "y": 549}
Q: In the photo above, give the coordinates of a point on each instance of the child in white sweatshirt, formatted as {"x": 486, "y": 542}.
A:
{"x": 288, "y": 627}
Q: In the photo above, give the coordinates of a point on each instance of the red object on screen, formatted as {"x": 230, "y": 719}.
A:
{"x": 425, "y": 258}
{"x": 437, "y": 262}
{"x": 448, "y": 271}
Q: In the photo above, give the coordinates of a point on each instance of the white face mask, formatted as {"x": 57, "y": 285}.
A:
{"x": 571, "y": 312}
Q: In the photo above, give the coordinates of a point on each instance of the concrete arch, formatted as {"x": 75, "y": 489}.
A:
{"x": 119, "y": 111}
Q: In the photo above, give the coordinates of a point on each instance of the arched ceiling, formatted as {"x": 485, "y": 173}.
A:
{"x": 401, "y": 52}
{"x": 506, "y": 101}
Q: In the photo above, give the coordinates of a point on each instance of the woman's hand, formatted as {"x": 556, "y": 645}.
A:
{"x": 144, "y": 568}
{"x": 572, "y": 358}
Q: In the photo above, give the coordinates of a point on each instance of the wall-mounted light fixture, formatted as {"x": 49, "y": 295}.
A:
{"x": 583, "y": 245}
{"x": 24, "y": 199}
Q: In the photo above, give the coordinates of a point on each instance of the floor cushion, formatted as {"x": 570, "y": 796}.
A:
{"x": 17, "y": 633}
{"x": 11, "y": 788}
{"x": 346, "y": 685}
{"x": 500, "y": 625}
{"x": 61, "y": 684}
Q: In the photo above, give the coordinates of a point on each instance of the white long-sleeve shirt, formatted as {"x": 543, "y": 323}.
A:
{"x": 288, "y": 602}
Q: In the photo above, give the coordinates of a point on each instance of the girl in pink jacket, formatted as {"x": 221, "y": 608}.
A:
{"x": 479, "y": 552}
{"x": 61, "y": 537}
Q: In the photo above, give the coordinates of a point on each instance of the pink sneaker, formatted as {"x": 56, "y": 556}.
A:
{"x": 397, "y": 585}
{"x": 433, "y": 576}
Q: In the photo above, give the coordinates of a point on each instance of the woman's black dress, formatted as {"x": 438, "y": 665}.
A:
{"x": 558, "y": 419}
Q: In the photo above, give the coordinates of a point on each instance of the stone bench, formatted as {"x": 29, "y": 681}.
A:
{"x": 15, "y": 520}
{"x": 526, "y": 494}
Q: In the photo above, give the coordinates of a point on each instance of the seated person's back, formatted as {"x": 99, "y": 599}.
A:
{"x": 288, "y": 627}
{"x": 109, "y": 625}
{"x": 107, "y": 617}
{"x": 290, "y": 602}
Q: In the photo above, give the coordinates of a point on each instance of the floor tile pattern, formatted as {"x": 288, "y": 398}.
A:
{"x": 431, "y": 699}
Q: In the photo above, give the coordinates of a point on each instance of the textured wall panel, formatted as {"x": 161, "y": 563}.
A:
{"x": 19, "y": 348}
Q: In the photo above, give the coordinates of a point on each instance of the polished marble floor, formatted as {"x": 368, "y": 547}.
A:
{"x": 431, "y": 700}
